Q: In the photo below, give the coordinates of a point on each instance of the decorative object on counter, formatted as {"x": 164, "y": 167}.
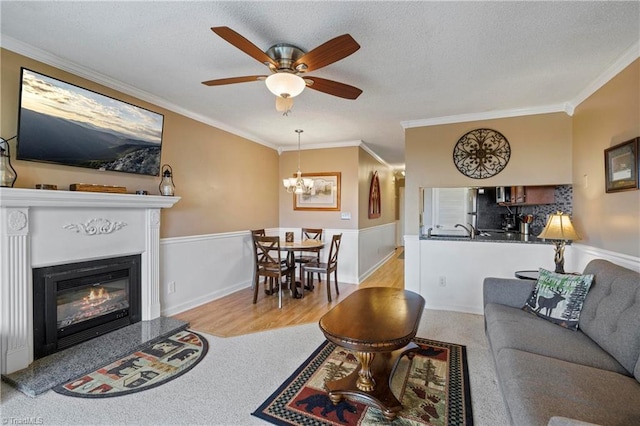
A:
{"x": 90, "y": 187}
{"x": 142, "y": 192}
{"x": 325, "y": 195}
{"x": 621, "y": 165}
{"x": 298, "y": 184}
{"x": 8, "y": 174}
{"x": 525, "y": 223}
{"x": 481, "y": 153}
{"x": 375, "y": 207}
{"x": 47, "y": 186}
{"x": 166, "y": 186}
{"x": 288, "y": 237}
{"x": 560, "y": 229}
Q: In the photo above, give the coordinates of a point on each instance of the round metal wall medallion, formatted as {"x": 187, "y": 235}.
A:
{"x": 481, "y": 153}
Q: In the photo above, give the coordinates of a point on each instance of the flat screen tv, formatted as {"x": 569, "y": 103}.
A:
{"x": 62, "y": 123}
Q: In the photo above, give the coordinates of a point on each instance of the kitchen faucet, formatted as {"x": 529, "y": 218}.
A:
{"x": 471, "y": 230}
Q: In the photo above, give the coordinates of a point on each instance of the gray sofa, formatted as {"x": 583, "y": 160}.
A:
{"x": 551, "y": 375}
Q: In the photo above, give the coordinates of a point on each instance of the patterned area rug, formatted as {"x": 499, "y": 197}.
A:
{"x": 152, "y": 365}
{"x": 433, "y": 389}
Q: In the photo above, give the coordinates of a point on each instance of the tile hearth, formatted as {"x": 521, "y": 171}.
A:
{"x": 52, "y": 370}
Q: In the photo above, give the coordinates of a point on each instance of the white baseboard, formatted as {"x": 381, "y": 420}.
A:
{"x": 371, "y": 270}
{"x": 205, "y": 298}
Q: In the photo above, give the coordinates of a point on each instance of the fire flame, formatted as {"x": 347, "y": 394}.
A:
{"x": 99, "y": 294}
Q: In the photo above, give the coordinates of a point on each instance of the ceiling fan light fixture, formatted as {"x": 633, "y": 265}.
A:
{"x": 285, "y": 85}
{"x": 284, "y": 104}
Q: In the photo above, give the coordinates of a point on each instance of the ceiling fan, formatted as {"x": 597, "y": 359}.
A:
{"x": 289, "y": 64}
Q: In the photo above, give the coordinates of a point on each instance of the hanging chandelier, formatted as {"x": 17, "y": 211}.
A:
{"x": 298, "y": 184}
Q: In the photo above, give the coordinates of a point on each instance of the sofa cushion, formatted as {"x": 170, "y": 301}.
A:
{"x": 611, "y": 312}
{"x": 559, "y": 297}
{"x": 512, "y": 328}
{"x": 536, "y": 388}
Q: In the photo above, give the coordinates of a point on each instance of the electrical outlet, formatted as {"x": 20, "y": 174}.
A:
{"x": 442, "y": 281}
{"x": 171, "y": 287}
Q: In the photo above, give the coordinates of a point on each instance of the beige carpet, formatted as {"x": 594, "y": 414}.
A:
{"x": 239, "y": 373}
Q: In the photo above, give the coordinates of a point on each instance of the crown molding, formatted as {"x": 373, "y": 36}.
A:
{"x": 620, "y": 64}
{"x": 568, "y": 107}
{"x": 283, "y": 148}
{"x": 374, "y": 155}
{"x": 40, "y": 55}
{"x": 489, "y": 115}
{"x": 343, "y": 144}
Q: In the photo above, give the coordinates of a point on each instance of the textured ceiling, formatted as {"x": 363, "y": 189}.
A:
{"x": 417, "y": 61}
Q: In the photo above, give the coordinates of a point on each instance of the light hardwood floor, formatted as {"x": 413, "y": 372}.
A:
{"x": 234, "y": 315}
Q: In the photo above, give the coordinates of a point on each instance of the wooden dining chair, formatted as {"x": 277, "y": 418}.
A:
{"x": 269, "y": 264}
{"x": 310, "y": 255}
{"x": 309, "y": 268}
{"x": 267, "y": 290}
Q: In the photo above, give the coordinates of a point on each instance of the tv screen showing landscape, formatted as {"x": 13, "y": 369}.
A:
{"x": 65, "y": 124}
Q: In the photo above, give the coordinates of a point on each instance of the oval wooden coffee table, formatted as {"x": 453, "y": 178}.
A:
{"x": 377, "y": 324}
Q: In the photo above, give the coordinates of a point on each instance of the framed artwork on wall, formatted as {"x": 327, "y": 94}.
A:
{"x": 324, "y": 196}
{"x": 621, "y": 166}
{"x": 375, "y": 204}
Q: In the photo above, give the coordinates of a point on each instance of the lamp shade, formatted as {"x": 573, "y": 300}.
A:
{"x": 285, "y": 85}
{"x": 559, "y": 227}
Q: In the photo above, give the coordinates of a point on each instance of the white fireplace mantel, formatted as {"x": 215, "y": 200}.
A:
{"x": 42, "y": 228}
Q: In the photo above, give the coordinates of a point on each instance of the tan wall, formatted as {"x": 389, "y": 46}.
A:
{"x": 344, "y": 160}
{"x": 367, "y": 165}
{"x": 212, "y": 169}
{"x": 608, "y": 117}
{"x": 540, "y": 154}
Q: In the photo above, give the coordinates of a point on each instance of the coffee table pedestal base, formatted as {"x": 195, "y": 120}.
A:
{"x": 358, "y": 383}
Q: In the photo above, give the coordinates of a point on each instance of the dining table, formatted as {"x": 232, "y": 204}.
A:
{"x": 291, "y": 247}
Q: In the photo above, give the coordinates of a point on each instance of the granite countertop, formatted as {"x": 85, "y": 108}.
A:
{"x": 491, "y": 236}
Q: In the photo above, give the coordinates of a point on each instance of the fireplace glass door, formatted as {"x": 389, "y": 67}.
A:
{"x": 76, "y": 302}
{"x": 81, "y": 303}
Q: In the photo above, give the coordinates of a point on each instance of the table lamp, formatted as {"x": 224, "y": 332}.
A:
{"x": 559, "y": 229}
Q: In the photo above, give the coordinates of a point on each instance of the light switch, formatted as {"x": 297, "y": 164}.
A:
{"x": 345, "y": 216}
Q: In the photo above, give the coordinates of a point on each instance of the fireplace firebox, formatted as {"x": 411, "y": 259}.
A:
{"x": 75, "y": 302}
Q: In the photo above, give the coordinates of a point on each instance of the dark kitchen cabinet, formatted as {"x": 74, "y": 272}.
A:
{"x": 527, "y": 195}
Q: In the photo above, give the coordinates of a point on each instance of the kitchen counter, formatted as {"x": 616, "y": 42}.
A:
{"x": 491, "y": 236}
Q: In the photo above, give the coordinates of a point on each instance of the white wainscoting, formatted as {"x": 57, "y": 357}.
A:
{"x": 208, "y": 267}
{"x": 375, "y": 246}
{"x": 464, "y": 265}
{"x": 204, "y": 268}
{"x": 582, "y": 254}
{"x": 452, "y": 272}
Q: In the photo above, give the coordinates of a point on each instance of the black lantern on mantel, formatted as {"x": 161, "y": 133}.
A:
{"x": 166, "y": 184}
{"x": 8, "y": 174}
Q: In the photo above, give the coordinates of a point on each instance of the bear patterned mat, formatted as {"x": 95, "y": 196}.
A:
{"x": 148, "y": 367}
{"x": 433, "y": 388}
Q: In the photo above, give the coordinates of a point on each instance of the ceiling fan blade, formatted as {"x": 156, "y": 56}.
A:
{"x": 328, "y": 53}
{"x": 243, "y": 44}
{"x": 333, "y": 88}
{"x": 233, "y": 80}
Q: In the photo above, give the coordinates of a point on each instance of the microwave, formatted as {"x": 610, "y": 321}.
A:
{"x": 503, "y": 194}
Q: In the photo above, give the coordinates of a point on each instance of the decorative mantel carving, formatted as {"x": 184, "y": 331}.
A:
{"x": 32, "y": 227}
{"x": 96, "y": 226}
